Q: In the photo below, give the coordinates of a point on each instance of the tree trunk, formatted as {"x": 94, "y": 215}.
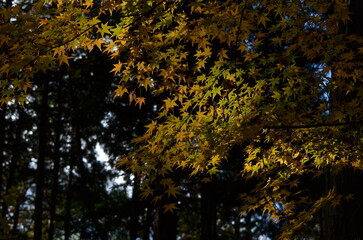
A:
{"x": 237, "y": 228}
{"x": 67, "y": 216}
{"x": 8, "y": 4}
{"x": 77, "y": 161}
{"x": 20, "y": 200}
{"x": 166, "y": 225}
{"x": 56, "y": 162}
{"x": 74, "y": 160}
{"x": 135, "y": 211}
{"x": 2, "y": 156}
{"x": 39, "y": 181}
{"x": 345, "y": 221}
{"x": 208, "y": 212}
{"x": 147, "y": 224}
{"x": 13, "y": 166}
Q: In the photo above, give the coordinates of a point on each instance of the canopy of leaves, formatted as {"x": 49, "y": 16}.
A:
{"x": 279, "y": 78}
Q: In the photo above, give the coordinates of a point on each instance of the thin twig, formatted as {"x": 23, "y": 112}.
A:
{"x": 316, "y": 125}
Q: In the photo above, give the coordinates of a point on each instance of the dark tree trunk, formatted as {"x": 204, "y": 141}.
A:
{"x": 345, "y": 221}
{"x": 2, "y": 156}
{"x": 8, "y": 4}
{"x": 356, "y": 8}
{"x": 20, "y": 200}
{"x": 13, "y": 166}
{"x": 67, "y": 216}
{"x": 166, "y": 225}
{"x": 135, "y": 211}
{"x": 10, "y": 181}
{"x": 77, "y": 161}
{"x": 208, "y": 212}
{"x": 147, "y": 224}
{"x": 248, "y": 226}
{"x": 56, "y": 162}
{"x": 39, "y": 181}
{"x": 237, "y": 228}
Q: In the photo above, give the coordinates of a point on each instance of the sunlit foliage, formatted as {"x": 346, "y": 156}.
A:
{"x": 280, "y": 78}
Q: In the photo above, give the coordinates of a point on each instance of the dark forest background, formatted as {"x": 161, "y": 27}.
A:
{"x": 52, "y": 178}
{"x": 54, "y": 184}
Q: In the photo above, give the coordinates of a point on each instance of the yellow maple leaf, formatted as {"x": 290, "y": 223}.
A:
{"x": 104, "y": 29}
{"x": 139, "y": 101}
{"x": 63, "y": 58}
{"x": 117, "y": 67}
{"x": 169, "y": 103}
{"x": 120, "y": 91}
{"x": 223, "y": 54}
{"x": 88, "y": 3}
{"x": 98, "y": 43}
{"x": 215, "y": 160}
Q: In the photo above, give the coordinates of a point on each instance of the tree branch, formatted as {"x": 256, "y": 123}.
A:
{"x": 316, "y": 125}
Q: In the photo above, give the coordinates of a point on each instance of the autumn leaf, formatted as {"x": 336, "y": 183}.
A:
{"x": 169, "y": 103}
{"x": 172, "y": 190}
{"x": 120, "y": 91}
{"x": 170, "y": 207}
{"x": 117, "y": 67}
{"x": 104, "y": 29}
{"x": 140, "y": 101}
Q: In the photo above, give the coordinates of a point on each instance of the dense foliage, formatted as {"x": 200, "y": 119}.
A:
{"x": 280, "y": 81}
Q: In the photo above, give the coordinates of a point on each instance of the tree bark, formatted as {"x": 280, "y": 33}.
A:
{"x": 20, "y": 200}
{"x": 67, "y": 216}
{"x": 237, "y": 228}
{"x": 208, "y": 212}
{"x": 39, "y": 181}
{"x": 56, "y": 162}
{"x": 135, "y": 211}
{"x": 13, "y": 166}
{"x": 74, "y": 160}
{"x": 2, "y": 156}
{"x": 8, "y": 4}
{"x": 345, "y": 221}
{"x": 166, "y": 225}
{"x": 147, "y": 224}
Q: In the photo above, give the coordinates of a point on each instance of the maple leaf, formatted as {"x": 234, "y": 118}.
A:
{"x": 63, "y": 58}
{"x": 104, "y": 29}
{"x": 335, "y": 202}
{"x": 172, "y": 190}
{"x": 170, "y": 207}
{"x": 88, "y": 3}
{"x": 157, "y": 199}
{"x": 213, "y": 170}
{"x": 169, "y": 103}
{"x": 26, "y": 85}
{"x": 206, "y": 180}
{"x": 147, "y": 192}
{"x": 117, "y": 67}
{"x": 120, "y": 91}
{"x": 94, "y": 21}
{"x": 139, "y": 101}
{"x": 223, "y": 54}
{"x": 215, "y": 160}
{"x": 98, "y": 42}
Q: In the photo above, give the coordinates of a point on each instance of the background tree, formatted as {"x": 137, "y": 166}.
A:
{"x": 252, "y": 75}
